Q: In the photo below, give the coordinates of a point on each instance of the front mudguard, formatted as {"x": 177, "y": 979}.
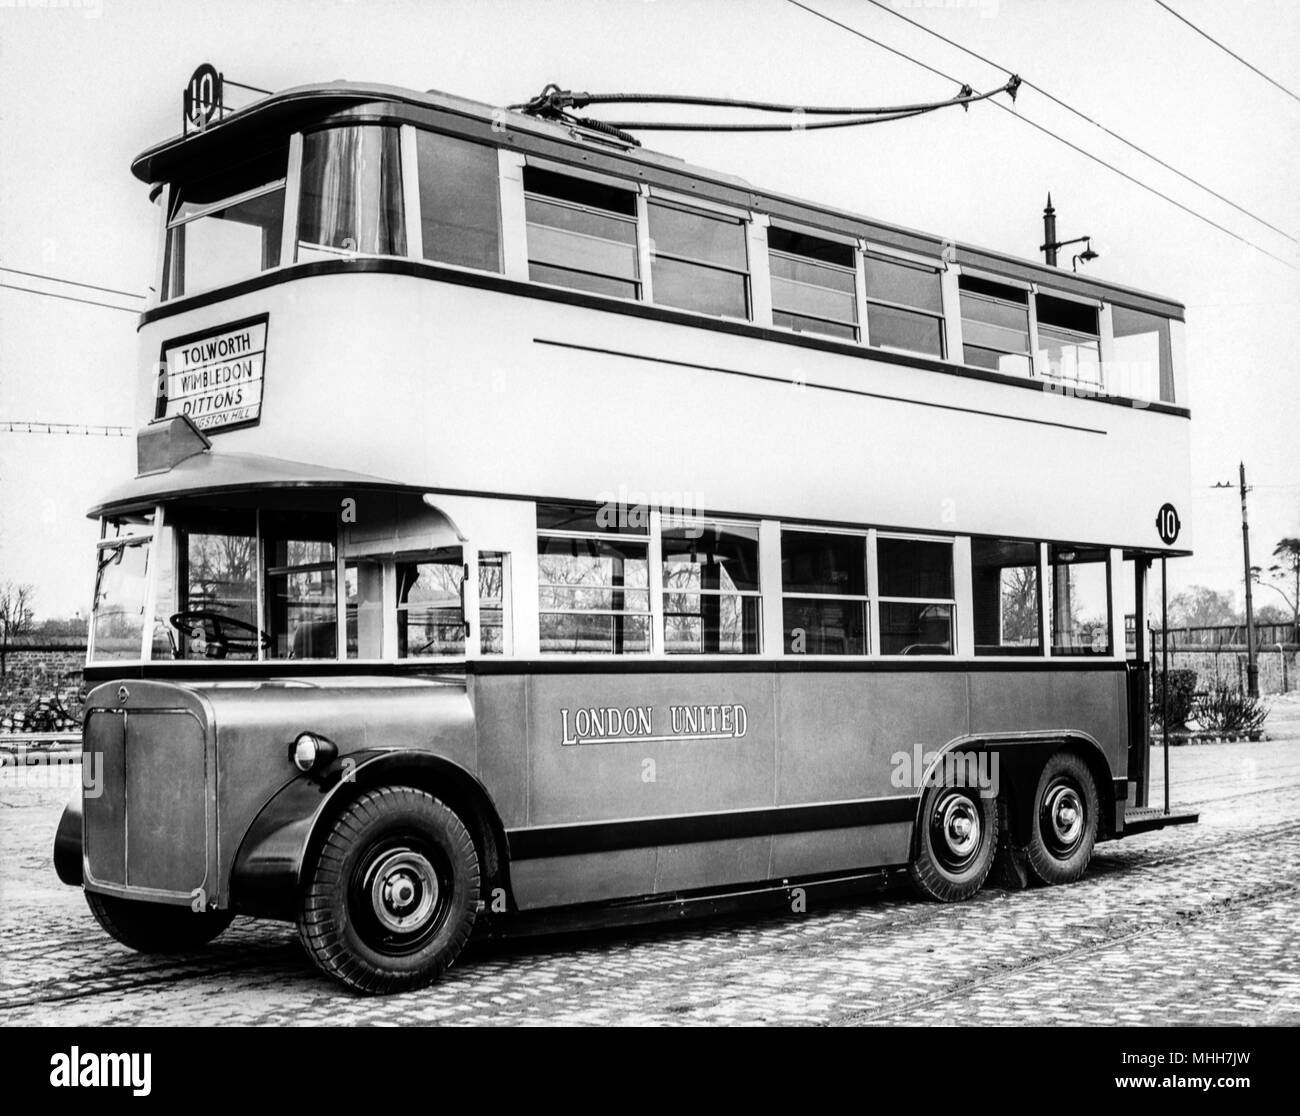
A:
{"x": 69, "y": 844}
{"x": 268, "y": 873}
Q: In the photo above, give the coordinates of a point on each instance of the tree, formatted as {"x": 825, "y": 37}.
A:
{"x": 1202, "y": 607}
{"x": 1284, "y": 576}
{"x": 15, "y": 616}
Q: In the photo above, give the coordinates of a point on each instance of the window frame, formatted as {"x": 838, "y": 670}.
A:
{"x": 1031, "y": 320}
{"x": 718, "y": 212}
{"x": 868, "y": 582}
{"x": 704, "y": 522}
{"x": 615, "y": 536}
{"x": 858, "y": 325}
{"x": 878, "y": 598}
{"x": 639, "y": 283}
{"x": 918, "y": 263}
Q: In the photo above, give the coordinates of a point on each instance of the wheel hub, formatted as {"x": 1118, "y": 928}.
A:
{"x": 403, "y": 889}
{"x": 957, "y": 824}
{"x": 1064, "y": 813}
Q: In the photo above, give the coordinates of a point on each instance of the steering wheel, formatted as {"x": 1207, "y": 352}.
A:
{"x": 220, "y": 634}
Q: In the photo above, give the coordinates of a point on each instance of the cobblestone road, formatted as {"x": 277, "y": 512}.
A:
{"x": 1192, "y": 925}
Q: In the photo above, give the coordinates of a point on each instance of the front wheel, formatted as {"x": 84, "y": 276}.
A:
{"x": 957, "y": 837}
{"x": 1064, "y": 825}
{"x": 156, "y": 927}
{"x": 393, "y": 893}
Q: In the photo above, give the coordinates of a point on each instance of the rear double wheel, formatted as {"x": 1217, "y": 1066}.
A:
{"x": 393, "y": 892}
{"x": 956, "y": 840}
{"x": 1063, "y": 826}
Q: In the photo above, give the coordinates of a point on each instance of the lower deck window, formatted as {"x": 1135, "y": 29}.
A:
{"x": 916, "y": 596}
{"x": 430, "y": 609}
{"x": 1079, "y": 600}
{"x": 710, "y": 578}
{"x": 824, "y": 593}
{"x": 1005, "y": 597}
{"x": 593, "y": 594}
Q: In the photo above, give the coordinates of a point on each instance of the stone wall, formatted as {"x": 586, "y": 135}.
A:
{"x": 41, "y": 690}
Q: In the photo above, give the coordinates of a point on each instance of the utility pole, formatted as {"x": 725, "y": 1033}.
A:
{"x": 1252, "y": 668}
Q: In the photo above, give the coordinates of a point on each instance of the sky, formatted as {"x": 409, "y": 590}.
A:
{"x": 85, "y": 85}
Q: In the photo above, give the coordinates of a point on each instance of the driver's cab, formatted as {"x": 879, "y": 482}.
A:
{"x": 288, "y": 575}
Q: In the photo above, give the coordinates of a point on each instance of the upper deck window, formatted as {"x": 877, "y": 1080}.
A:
{"x": 226, "y": 226}
{"x": 460, "y": 210}
{"x": 1069, "y": 340}
{"x": 813, "y": 284}
{"x": 1144, "y": 367}
{"x": 581, "y": 234}
{"x": 904, "y": 306}
{"x": 995, "y": 325}
{"x": 351, "y": 197}
{"x": 700, "y": 261}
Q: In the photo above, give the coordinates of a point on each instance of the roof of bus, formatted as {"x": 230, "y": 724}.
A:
{"x": 276, "y": 111}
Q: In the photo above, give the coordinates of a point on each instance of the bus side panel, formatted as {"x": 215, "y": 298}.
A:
{"x": 839, "y": 733}
{"x": 500, "y": 711}
{"x": 1083, "y": 700}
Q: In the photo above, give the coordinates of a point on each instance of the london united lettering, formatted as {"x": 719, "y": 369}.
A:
{"x": 645, "y": 724}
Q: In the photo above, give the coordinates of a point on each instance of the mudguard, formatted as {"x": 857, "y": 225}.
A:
{"x": 267, "y": 875}
{"x": 68, "y": 844}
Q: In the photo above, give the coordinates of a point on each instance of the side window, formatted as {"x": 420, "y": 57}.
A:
{"x": 430, "y": 612}
{"x": 824, "y": 593}
{"x": 916, "y": 596}
{"x": 351, "y": 197}
{"x": 301, "y": 606}
{"x": 581, "y": 234}
{"x": 1078, "y": 600}
{"x": 1005, "y": 597}
{"x": 593, "y": 583}
{"x": 994, "y": 325}
{"x": 1144, "y": 365}
{"x": 711, "y": 592}
{"x": 226, "y": 226}
{"x": 904, "y": 306}
{"x": 460, "y": 204}
{"x": 1069, "y": 341}
{"x": 493, "y": 571}
{"x": 700, "y": 260}
{"x": 814, "y": 284}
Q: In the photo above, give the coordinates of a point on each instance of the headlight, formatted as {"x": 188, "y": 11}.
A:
{"x": 309, "y": 751}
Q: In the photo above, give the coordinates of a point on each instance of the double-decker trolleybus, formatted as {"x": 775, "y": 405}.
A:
{"x": 528, "y": 522}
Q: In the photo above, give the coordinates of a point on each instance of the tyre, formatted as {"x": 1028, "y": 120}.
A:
{"x": 956, "y": 840}
{"x": 392, "y": 895}
{"x": 156, "y": 927}
{"x": 1063, "y": 828}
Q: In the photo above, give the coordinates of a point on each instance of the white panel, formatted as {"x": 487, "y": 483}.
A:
{"x": 411, "y": 193}
{"x": 963, "y": 599}
{"x": 446, "y": 386}
{"x": 769, "y": 575}
{"x": 951, "y": 315}
{"x": 514, "y": 232}
{"x": 760, "y": 280}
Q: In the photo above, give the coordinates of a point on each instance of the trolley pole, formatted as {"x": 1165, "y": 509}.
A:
{"x": 1252, "y": 667}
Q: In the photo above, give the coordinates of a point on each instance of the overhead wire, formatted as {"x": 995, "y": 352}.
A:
{"x": 70, "y": 282}
{"x": 1084, "y": 116}
{"x": 1232, "y": 53}
{"x": 69, "y": 298}
{"x": 1060, "y": 139}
